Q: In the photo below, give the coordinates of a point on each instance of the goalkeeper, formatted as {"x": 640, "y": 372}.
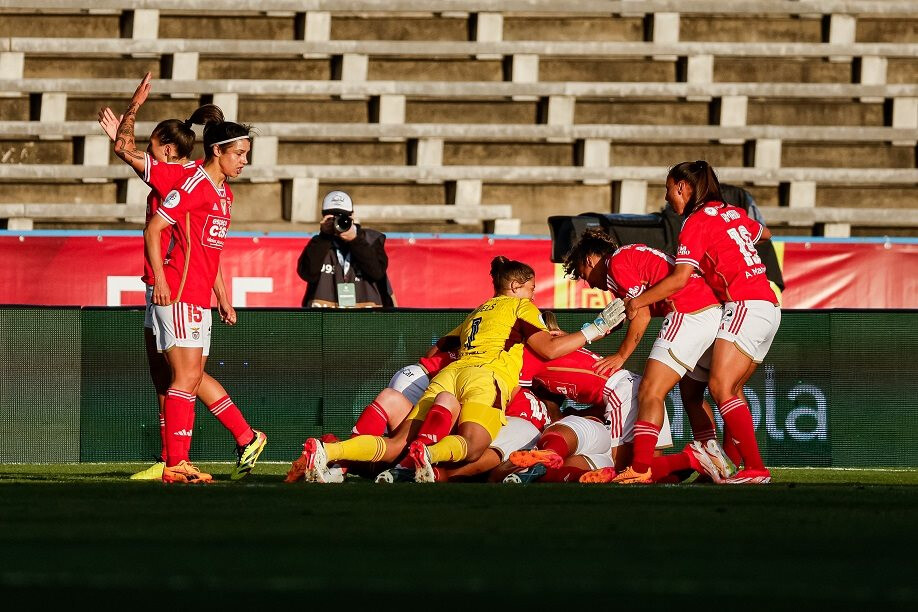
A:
{"x": 480, "y": 382}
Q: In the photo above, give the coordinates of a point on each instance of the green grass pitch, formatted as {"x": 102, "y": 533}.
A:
{"x": 826, "y": 539}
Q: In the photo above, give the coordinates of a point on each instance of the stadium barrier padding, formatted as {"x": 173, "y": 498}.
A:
{"x": 837, "y": 389}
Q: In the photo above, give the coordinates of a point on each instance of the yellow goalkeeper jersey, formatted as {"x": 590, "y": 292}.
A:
{"x": 493, "y": 335}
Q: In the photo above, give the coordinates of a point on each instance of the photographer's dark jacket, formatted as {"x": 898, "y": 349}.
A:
{"x": 320, "y": 265}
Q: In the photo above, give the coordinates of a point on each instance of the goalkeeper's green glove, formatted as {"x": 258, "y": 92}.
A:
{"x": 608, "y": 319}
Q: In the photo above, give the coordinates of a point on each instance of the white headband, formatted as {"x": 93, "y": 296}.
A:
{"x": 230, "y": 140}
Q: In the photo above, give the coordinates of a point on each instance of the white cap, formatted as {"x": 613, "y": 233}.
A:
{"x": 337, "y": 200}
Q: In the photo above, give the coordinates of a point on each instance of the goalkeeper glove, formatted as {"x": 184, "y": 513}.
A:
{"x": 608, "y": 319}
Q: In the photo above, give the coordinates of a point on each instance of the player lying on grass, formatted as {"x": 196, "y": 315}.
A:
{"x": 388, "y": 411}
{"x": 680, "y": 354}
{"x": 164, "y": 165}
{"x": 480, "y": 381}
{"x": 526, "y": 415}
{"x": 590, "y": 439}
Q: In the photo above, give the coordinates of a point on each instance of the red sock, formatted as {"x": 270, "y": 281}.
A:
{"x": 662, "y": 467}
{"x": 703, "y": 435}
{"x": 555, "y": 442}
{"x": 738, "y": 422}
{"x": 371, "y": 422}
{"x": 730, "y": 447}
{"x": 645, "y": 441}
{"x": 231, "y": 418}
{"x": 178, "y": 406}
{"x": 565, "y": 473}
{"x": 436, "y": 425}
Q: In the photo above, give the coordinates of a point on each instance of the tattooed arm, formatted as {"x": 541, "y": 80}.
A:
{"x": 125, "y": 147}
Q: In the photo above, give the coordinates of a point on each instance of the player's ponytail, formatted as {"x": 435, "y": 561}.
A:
{"x": 223, "y": 134}
{"x": 593, "y": 241}
{"x": 703, "y": 180}
{"x": 180, "y": 134}
{"x": 505, "y": 271}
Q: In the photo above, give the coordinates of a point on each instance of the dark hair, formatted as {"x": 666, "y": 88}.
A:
{"x": 504, "y": 271}
{"x": 700, "y": 175}
{"x": 593, "y": 241}
{"x": 220, "y": 131}
{"x": 179, "y": 133}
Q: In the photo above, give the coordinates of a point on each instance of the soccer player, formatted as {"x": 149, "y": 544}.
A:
{"x": 388, "y": 410}
{"x": 678, "y": 356}
{"x": 480, "y": 381}
{"x": 718, "y": 240}
{"x": 164, "y": 164}
{"x": 589, "y": 440}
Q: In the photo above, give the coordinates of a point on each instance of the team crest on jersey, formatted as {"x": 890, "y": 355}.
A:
{"x": 196, "y": 333}
{"x": 710, "y": 210}
{"x": 172, "y": 200}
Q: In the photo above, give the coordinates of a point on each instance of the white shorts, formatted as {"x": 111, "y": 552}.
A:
{"x": 750, "y": 325}
{"x": 181, "y": 324}
{"x": 148, "y": 311}
{"x": 517, "y": 434}
{"x": 684, "y": 338}
{"x": 592, "y": 436}
{"x": 621, "y": 394}
{"x": 411, "y": 381}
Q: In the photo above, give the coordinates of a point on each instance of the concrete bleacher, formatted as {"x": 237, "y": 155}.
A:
{"x": 476, "y": 113}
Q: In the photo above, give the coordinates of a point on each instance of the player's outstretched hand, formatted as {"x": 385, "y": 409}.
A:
{"x": 613, "y": 313}
{"x": 609, "y": 365}
{"x": 109, "y": 122}
{"x": 611, "y": 316}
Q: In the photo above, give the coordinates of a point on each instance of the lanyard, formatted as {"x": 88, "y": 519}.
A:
{"x": 344, "y": 259}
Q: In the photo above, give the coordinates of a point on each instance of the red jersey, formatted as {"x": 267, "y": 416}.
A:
{"x": 201, "y": 214}
{"x": 161, "y": 177}
{"x": 438, "y": 361}
{"x": 719, "y": 240}
{"x": 571, "y": 376}
{"x": 635, "y": 267}
{"x": 525, "y": 405}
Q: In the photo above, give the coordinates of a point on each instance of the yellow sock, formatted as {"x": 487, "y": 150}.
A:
{"x": 450, "y": 448}
{"x": 361, "y": 448}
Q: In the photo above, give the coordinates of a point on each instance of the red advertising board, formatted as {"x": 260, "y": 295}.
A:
{"x": 426, "y": 272}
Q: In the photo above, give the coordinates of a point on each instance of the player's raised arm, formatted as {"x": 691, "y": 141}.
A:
{"x": 125, "y": 146}
{"x": 109, "y": 123}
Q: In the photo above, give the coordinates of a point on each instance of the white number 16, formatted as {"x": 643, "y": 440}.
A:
{"x": 744, "y": 240}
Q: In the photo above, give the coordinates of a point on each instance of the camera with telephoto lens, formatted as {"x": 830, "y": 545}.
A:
{"x": 343, "y": 222}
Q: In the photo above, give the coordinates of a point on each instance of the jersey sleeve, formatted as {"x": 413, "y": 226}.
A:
{"x": 161, "y": 176}
{"x": 624, "y": 277}
{"x": 755, "y": 228}
{"x": 691, "y": 243}
{"x": 176, "y": 203}
{"x": 529, "y": 319}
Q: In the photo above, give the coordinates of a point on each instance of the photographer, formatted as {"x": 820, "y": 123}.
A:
{"x": 344, "y": 265}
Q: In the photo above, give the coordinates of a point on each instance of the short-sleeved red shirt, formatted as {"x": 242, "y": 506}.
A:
{"x": 571, "y": 376}
{"x": 200, "y": 212}
{"x": 635, "y": 267}
{"x": 161, "y": 177}
{"x": 719, "y": 240}
{"x": 438, "y": 361}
